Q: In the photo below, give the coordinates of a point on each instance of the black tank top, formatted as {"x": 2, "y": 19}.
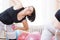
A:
{"x": 9, "y": 16}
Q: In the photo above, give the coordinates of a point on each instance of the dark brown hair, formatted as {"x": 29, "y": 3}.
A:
{"x": 32, "y": 17}
{"x": 57, "y": 15}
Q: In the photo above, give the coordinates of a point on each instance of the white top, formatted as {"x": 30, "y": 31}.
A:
{"x": 9, "y": 28}
{"x": 2, "y": 29}
{"x": 11, "y": 34}
{"x": 1, "y": 26}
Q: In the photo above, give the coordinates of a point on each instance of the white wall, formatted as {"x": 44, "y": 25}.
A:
{"x": 45, "y": 9}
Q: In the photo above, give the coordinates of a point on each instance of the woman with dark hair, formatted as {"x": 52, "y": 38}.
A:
{"x": 17, "y": 14}
{"x": 57, "y": 15}
{"x": 32, "y": 17}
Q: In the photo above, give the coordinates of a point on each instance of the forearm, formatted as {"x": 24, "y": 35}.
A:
{"x": 16, "y": 4}
{"x": 58, "y": 4}
{"x": 25, "y": 26}
{"x": 16, "y": 1}
{"x": 22, "y": 28}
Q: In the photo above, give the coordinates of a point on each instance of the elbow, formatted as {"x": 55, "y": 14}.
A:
{"x": 26, "y": 29}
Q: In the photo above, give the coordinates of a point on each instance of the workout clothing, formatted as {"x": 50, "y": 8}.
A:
{"x": 9, "y": 16}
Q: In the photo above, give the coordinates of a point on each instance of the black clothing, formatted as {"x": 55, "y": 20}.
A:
{"x": 10, "y": 15}
{"x": 12, "y": 39}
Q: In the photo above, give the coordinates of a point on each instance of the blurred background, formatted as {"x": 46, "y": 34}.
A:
{"x": 45, "y": 10}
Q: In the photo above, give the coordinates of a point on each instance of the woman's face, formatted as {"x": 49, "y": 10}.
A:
{"x": 29, "y": 10}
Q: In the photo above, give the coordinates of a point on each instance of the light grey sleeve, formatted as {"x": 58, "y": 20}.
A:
{"x": 9, "y": 28}
{"x": 2, "y": 26}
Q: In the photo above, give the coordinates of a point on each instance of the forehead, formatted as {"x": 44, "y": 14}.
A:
{"x": 29, "y": 8}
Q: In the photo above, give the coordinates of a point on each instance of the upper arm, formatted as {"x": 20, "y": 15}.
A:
{"x": 16, "y": 2}
{"x": 12, "y": 3}
{"x": 25, "y": 24}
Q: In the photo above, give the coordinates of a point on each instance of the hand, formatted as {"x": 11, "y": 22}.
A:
{"x": 14, "y": 27}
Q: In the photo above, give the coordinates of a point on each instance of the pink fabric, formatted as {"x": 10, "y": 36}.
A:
{"x": 52, "y": 38}
{"x": 22, "y": 36}
{"x": 30, "y": 36}
{"x": 33, "y": 36}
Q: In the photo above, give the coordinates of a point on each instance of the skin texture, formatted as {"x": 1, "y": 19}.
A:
{"x": 25, "y": 24}
{"x": 17, "y": 5}
{"x": 21, "y": 15}
{"x": 57, "y": 4}
{"x": 27, "y": 11}
{"x": 57, "y": 22}
{"x": 58, "y": 7}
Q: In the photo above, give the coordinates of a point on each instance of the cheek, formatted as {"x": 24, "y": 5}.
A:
{"x": 29, "y": 12}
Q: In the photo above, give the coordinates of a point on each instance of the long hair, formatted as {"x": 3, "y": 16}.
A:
{"x": 32, "y": 17}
